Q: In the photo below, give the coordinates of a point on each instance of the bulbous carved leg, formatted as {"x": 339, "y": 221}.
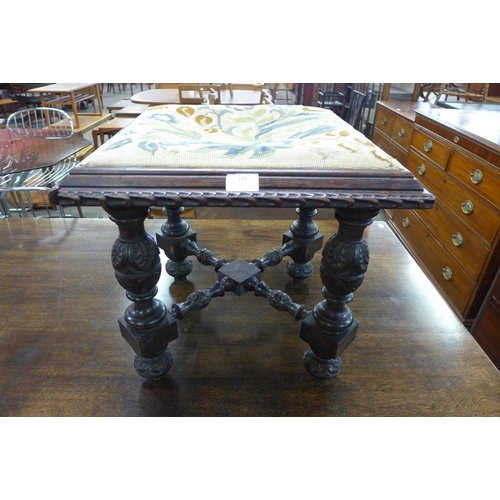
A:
{"x": 147, "y": 325}
{"x": 174, "y": 234}
{"x": 305, "y": 232}
{"x": 331, "y": 326}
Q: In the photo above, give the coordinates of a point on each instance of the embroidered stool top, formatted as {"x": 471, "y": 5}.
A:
{"x": 181, "y": 155}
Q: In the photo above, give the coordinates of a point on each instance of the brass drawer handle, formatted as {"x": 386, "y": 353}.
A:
{"x": 384, "y": 120}
{"x": 456, "y": 139}
{"x": 421, "y": 169}
{"x": 447, "y": 273}
{"x": 401, "y": 132}
{"x": 406, "y": 222}
{"x": 458, "y": 239}
{"x": 467, "y": 207}
{"x": 476, "y": 177}
{"x": 428, "y": 146}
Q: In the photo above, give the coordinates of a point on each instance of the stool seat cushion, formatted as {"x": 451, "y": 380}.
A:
{"x": 241, "y": 137}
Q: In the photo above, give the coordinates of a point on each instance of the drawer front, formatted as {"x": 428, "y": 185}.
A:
{"x": 457, "y": 286}
{"x": 458, "y": 239}
{"x": 380, "y": 140}
{"x": 402, "y": 132}
{"x": 389, "y": 147}
{"x": 467, "y": 207}
{"x": 430, "y": 147}
{"x": 432, "y": 178}
{"x": 477, "y": 176}
{"x": 384, "y": 120}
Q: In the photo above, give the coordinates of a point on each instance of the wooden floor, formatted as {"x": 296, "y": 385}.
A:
{"x": 61, "y": 353}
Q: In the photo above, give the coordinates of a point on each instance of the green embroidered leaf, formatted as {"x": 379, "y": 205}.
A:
{"x": 150, "y": 147}
{"x": 117, "y": 144}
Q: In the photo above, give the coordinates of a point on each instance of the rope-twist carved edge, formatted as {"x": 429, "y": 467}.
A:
{"x": 364, "y": 200}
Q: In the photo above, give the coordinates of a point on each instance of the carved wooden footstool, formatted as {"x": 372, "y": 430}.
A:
{"x": 251, "y": 156}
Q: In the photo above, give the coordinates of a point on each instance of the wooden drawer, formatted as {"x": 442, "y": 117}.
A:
{"x": 458, "y": 288}
{"x": 458, "y": 239}
{"x": 478, "y": 176}
{"x": 380, "y": 139}
{"x": 402, "y": 132}
{"x": 430, "y": 147}
{"x": 482, "y": 219}
{"x": 383, "y": 142}
{"x": 384, "y": 120}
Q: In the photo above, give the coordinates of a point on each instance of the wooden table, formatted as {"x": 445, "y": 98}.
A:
{"x": 48, "y": 151}
{"x": 176, "y": 157}
{"x": 61, "y": 354}
{"x": 171, "y": 96}
{"x": 20, "y": 156}
{"x": 70, "y": 94}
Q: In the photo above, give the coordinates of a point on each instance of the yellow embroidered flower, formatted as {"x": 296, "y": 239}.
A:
{"x": 203, "y": 120}
{"x": 185, "y": 110}
{"x": 211, "y": 130}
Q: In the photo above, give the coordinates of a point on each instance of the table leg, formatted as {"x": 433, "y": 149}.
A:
{"x": 175, "y": 233}
{"x": 331, "y": 325}
{"x": 305, "y": 232}
{"x": 147, "y": 325}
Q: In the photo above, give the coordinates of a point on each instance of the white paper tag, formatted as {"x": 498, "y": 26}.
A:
{"x": 242, "y": 182}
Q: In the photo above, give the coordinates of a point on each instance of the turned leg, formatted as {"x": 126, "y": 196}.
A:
{"x": 305, "y": 232}
{"x": 175, "y": 233}
{"x": 331, "y": 325}
{"x": 147, "y": 325}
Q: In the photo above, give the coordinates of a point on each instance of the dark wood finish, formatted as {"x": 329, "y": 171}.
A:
{"x": 62, "y": 355}
{"x": 486, "y": 328}
{"x": 47, "y": 151}
{"x": 126, "y": 193}
{"x": 307, "y": 94}
{"x": 456, "y": 155}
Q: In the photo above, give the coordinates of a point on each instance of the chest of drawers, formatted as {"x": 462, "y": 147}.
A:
{"x": 456, "y": 155}
{"x": 393, "y": 128}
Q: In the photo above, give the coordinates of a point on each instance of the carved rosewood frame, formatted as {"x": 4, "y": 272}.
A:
{"x": 149, "y": 326}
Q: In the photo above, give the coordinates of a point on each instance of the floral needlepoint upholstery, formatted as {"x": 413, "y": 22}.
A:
{"x": 235, "y": 137}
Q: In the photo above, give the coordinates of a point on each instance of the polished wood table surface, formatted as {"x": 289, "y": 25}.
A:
{"x": 61, "y": 353}
{"x": 171, "y": 96}
{"x": 48, "y": 152}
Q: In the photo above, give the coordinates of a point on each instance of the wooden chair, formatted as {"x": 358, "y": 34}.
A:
{"x": 462, "y": 90}
{"x": 332, "y": 98}
{"x": 167, "y": 85}
{"x": 241, "y": 86}
{"x": 142, "y": 87}
{"x": 355, "y": 108}
{"x": 197, "y": 89}
{"x": 467, "y": 91}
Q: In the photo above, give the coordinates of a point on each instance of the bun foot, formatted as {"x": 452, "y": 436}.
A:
{"x": 154, "y": 368}
{"x": 320, "y": 367}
